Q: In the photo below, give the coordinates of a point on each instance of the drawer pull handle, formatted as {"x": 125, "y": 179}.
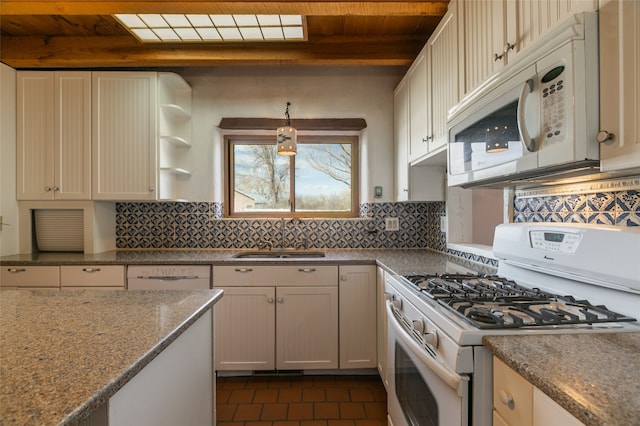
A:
{"x": 244, "y": 270}
{"x": 307, "y": 270}
{"x": 16, "y": 270}
{"x": 91, "y": 269}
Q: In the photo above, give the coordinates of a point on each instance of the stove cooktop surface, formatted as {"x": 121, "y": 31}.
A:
{"x": 494, "y": 302}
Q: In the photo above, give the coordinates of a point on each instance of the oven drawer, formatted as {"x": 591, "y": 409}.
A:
{"x": 512, "y": 395}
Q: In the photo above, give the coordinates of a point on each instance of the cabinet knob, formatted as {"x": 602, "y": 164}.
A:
{"x": 506, "y": 399}
{"x": 151, "y": 189}
{"x": 343, "y": 278}
{"x": 47, "y": 188}
{"x": 269, "y": 299}
{"x": 604, "y": 136}
{"x": 55, "y": 188}
{"x": 280, "y": 300}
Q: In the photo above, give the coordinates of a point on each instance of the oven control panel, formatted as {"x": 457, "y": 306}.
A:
{"x": 555, "y": 241}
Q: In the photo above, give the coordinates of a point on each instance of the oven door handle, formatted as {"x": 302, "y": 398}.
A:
{"x": 453, "y": 380}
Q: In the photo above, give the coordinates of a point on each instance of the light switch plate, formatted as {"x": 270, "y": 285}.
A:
{"x": 378, "y": 192}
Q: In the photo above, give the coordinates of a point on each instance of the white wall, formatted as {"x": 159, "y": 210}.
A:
{"x": 314, "y": 92}
{"x": 8, "y": 203}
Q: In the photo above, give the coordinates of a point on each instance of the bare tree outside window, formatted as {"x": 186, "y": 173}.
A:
{"x": 322, "y": 183}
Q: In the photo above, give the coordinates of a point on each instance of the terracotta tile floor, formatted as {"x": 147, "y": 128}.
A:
{"x": 301, "y": 401}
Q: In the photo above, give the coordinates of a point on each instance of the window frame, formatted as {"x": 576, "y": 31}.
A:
{"x": 231, "y": 139}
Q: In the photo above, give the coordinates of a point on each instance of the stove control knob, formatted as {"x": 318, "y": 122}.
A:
{"x": 431, "y": 338}
{"x": 418, "y": 325}
{"x": 397, "y": 303}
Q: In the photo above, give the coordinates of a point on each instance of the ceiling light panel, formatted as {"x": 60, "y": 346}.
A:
{"x": 214, "y": 28}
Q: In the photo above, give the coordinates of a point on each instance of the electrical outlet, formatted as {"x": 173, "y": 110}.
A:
{"x": 443, "y": 224}
{"x": 391, "y": 224}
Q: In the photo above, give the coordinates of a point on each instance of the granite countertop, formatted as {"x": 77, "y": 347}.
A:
{"x": 399, "y": 261}
{"x": 596, "y": 377}
{"x": 63, "y": 354}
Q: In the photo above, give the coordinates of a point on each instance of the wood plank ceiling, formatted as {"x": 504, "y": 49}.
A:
{"x": 84, "y": 34}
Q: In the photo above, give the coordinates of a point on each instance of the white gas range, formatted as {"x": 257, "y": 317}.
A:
{"x": 552, "y": 278}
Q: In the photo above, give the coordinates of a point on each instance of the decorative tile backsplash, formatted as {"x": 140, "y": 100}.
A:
{"x": 603, "y": 203}
{"x": 200, "y": 225}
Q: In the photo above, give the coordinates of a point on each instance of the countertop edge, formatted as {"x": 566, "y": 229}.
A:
{"x": 103, "y": 395}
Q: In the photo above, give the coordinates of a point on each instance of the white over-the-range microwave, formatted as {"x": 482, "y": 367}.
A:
{"x": 534, "y": 120}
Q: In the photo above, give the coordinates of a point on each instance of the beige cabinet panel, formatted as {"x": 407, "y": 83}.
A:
{"x": 245, "y": 329}
{"x": 124, "y": 135}
{"x": 547, "y": 412}
{"x": 357, "y": 298}
{"x": 74, "y": 276}
{"x": 306, "y": 328}
{"x": 30, "y": 276}
{"x": 512, "y": 395}
{"x": 271, "y": 275}
{"x": 54, "y": 135}
{"x": 619, "y": 84}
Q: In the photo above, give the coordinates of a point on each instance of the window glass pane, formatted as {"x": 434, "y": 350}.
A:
{"x": 260, "y": 179}
{"x": 323, "y": 177}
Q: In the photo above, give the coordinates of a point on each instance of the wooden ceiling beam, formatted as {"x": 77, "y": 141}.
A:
{"x": 124, "y": 51}
{"x": 307, "y": 8}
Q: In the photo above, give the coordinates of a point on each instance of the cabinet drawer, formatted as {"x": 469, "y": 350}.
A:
{"x": 512, "y": 395}
{"x": 261, "y": 276}
{"x": 92, "y": 276}
{"x": 30, "y": 276}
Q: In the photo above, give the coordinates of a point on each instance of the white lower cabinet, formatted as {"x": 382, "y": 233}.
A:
{"x": 357, "y": 316}
{"x": 276, "y": 317}
{"x": 516, "y": 402}
{"x": 381, "y": 327}
{"x": 306, "y": 328}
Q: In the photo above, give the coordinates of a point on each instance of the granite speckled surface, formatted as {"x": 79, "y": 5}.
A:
{"x": 64, "y": 353}
{"x": 596, "y": 377}
{"x": 400, "y": 261}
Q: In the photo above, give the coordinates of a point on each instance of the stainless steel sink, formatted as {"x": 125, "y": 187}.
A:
{"x": 279, "y": 255}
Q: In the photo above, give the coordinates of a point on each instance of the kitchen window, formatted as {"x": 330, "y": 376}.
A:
{"x": 319, "y": 181}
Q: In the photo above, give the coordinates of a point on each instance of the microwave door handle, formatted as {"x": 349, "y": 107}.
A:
{"x": 452, "y": 379}
{"x": 528, "y": 142}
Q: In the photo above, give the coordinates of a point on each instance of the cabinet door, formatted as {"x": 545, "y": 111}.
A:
{"x": 245, "y": 329}
{"x": 547, "y": 412}
{"x": 536, "y": 18}
{"x": 124, "y": 135}
{"x": 619, "y": 84}
{"x": 485, "y": 35}
{"x": 443, "y": 50}
{"x": 401, "y": 141}
{"x": 72, "y": 147}
{"x": 307, "y": 328}
{"x": 35, "y": 119}
{"x": 512, "y": 395}
{"x": 357, "y": 298}
{"x": 419, "y": 107}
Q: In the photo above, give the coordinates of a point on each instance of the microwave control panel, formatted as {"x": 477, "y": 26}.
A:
{"x": 554, "y": 123}
{"x": 555, "y": 242}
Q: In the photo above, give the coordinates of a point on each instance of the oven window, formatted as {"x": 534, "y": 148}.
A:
{"x": 413, "y": 393}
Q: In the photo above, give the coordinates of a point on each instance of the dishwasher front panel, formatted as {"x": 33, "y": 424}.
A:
{"x": 168, "y": 277}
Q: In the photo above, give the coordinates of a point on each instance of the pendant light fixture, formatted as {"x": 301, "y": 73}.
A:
{"x": 287, "y": 136}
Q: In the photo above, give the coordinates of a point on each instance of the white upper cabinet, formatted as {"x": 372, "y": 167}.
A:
{"x": 619, "y": 85}
{"x": 419, "y": 106}
{"x": 535, "y": 18}
{"x": 124, "y": 135}
{"x": 495, "y": 32}
{"x": 487, "y": 36}
{"x": 444, "y": 87}
{"x": 54, "y": 135}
